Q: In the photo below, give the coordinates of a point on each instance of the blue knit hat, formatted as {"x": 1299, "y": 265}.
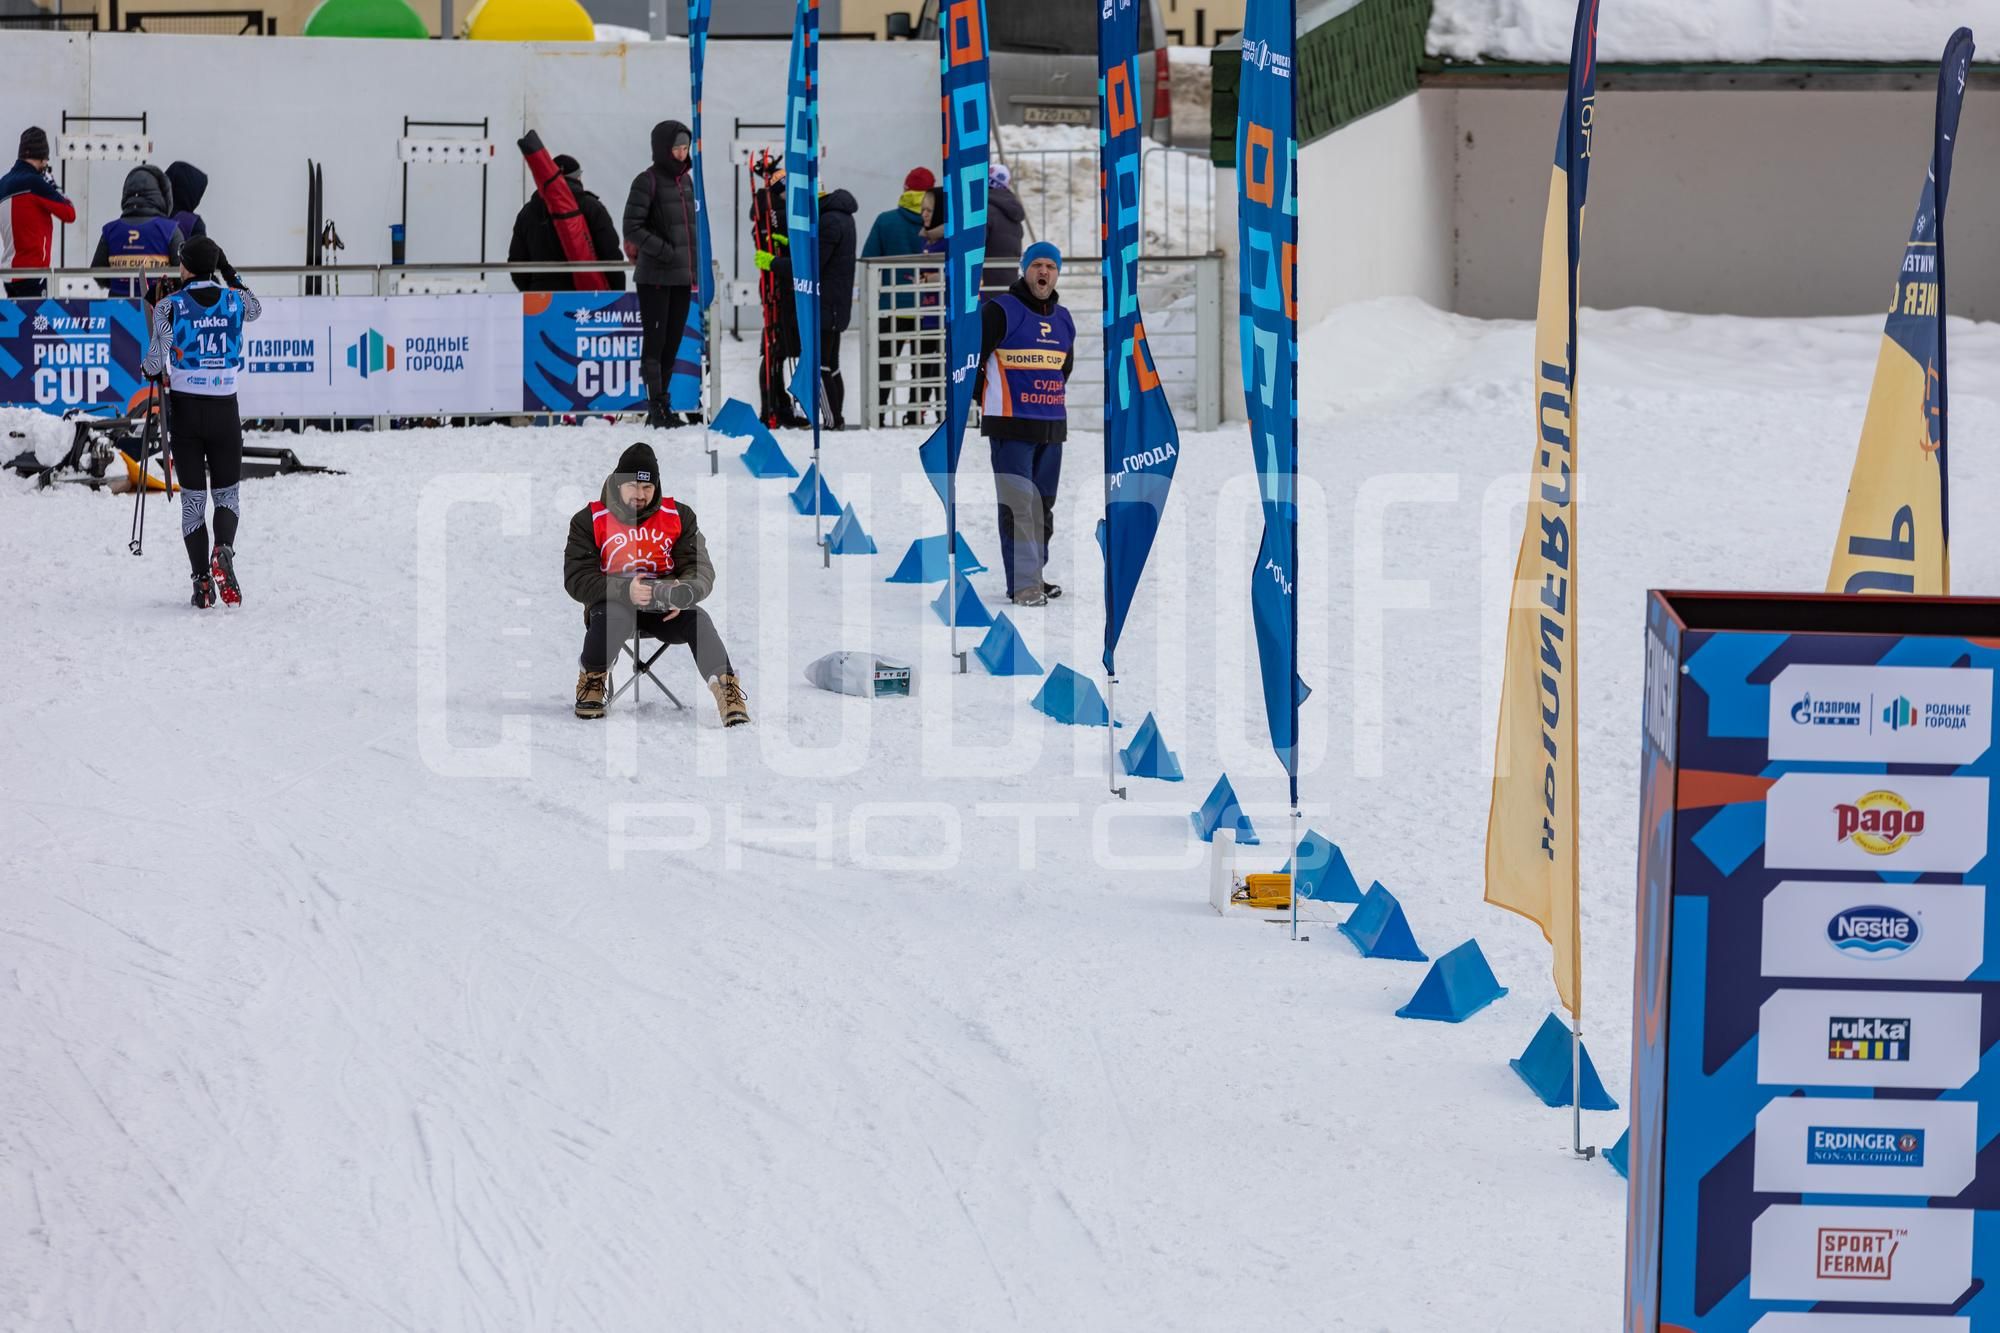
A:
{"x": 1041, "y": 250}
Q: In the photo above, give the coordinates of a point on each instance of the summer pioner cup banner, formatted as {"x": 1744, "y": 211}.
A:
{"x": 1531, "y": 831}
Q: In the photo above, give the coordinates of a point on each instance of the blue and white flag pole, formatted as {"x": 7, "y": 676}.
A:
{"x": 962, "y": 74}
{"x": 1141, "y": 443}
{"x": 1267, "y": 235}
{"x": 802, "y": 225}
{"x": 698, "y": 12}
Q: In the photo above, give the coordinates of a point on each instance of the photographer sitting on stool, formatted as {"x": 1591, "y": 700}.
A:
{"x": 636, "y": 558}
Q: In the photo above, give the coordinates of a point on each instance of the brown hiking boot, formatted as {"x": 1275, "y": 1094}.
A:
{"x": 591, "y": 687}
{"x": 729, "y": 700}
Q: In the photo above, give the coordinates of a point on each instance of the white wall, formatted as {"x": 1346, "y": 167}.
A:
{"x": 250, "y": 111}
{"x": 1375, "y": 209}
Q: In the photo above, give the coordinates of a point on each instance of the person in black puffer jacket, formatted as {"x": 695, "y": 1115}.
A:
{"x": 660, "y": 240}
{"x": 536, "y": 242}
{"x": 190, "y": 186}
{"x": 836, "y": 296}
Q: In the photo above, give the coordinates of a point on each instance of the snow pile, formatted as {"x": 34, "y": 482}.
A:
{"x": 1728, "y": 30}
{"x": 1055, "y": 171}
{"x": 354, "y": 983}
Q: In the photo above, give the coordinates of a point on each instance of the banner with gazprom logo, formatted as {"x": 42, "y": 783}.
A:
{"x": 580, "y": 352}
{"x": 1267, "y": 231}
{"x": 63, "y": 356}
{"x": 319, "y": 356}
{"x": 1881, "y": 714}
{"x": 1141, "y": 443}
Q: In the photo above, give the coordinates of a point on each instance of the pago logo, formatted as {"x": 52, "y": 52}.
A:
{"x": 1873, "y": 932}
{"x": 1880, "y": 823}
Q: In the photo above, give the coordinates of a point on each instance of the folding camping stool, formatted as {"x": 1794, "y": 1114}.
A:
{"x": 642, "y": 669}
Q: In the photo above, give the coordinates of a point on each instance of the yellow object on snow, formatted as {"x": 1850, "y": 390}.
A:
{"x": 530, "y": 21}
{"x": 133, "y": 472}
{"x": 1264, "y": 893}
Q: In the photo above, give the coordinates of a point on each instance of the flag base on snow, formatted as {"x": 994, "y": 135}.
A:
{"x": 1072, "y": 699}
{"x": 1004, "y": 653}
{"x": 1148, "y": 756}
{"x": 1545, "y": 1067}
{"x": 1320, "y": 872}
{"x": 972, "y": 612}
{"x": 764, "y": 458}
{"x": 802, "y": 494}
{"x": 1221, "y": 810}
{"x": 1458, "y": 986}
{"x": 1619, "y": 1155}
{"x": 1380, "y": 930}
{"x": 926, "y": 561}
{"x": 848, "y": 537}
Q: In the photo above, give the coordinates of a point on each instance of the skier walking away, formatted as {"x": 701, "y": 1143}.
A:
{"x": 30, "y": 206}
{"x": 1027, "y": 347}
{"x": 637, "y": 562}
{"x": 660, "y": 239}
{"x": 197, "y": 347}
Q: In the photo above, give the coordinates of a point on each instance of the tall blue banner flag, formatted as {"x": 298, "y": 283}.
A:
{"x": 1141, "y": 444}
{"x": 802, "y": 202}
{"x": 962, "y": 91}
{"x": 684, "y": 383}
{"x": 1267, "y": 233}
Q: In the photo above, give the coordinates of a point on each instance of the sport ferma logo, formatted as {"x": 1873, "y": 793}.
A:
{"x": 371, "y": 354}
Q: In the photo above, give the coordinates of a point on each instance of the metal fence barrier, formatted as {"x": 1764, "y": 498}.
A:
{"x": 1058, "y": 187}
{"x": 902, "y": 339}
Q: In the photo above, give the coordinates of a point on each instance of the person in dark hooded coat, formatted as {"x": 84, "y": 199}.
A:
{"x": 836, "y": 297}
{"x": 660, "y": 239}
{"x": 144, "y": 234}
{"x": 536, "y": 241}
{"x": 189, "y": 184}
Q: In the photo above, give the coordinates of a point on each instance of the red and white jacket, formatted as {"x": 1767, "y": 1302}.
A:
{"x": 30, "y": 206}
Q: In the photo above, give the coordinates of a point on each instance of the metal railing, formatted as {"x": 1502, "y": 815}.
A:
{"x": 1059, "y": 189}
{"x": 204, "y": 22}
{"x": 86, "y": 284}
{"x": 49, "y": 22}
{"x": 902, "y": 361}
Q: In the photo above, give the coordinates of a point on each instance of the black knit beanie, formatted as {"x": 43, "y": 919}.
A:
{"x": 34, "y": 144}
{"x": 638, "y": 463}
{"x": 200, "y": 256}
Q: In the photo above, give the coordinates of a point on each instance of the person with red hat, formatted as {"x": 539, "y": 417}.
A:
{"x": 898, "y": 231}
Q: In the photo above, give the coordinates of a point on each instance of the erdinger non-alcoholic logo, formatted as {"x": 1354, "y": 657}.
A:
{"x": 1866, "y": 1254}
{"x": 1873, "y": 932}
{"x": 1848, "y": 1145}
{"x": 1880, "y": 823}
{"x": 1868, "y": 1039}
{"x": 1825, "y": 712}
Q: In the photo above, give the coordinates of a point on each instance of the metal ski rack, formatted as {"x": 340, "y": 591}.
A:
{"x": 95, "y": 146}
{"x": 460, "y": 151}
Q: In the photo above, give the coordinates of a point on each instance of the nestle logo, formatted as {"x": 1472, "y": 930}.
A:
{"x": 1866, "y": 1254}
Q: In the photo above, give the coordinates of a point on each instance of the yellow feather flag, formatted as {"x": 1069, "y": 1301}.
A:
{"x": 1896, "y": 529}
{"x": 1531, "y": 829}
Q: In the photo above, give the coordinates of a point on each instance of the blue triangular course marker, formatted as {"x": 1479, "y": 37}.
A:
{"x": 925, "y": 561}
{"x": 1073, "y": 699}
{"x": 802, "y": 494}
{"x": 1004, "y": 653}
{"x": 847, "y": 536}
{"x": 1319, "y": 871}
{"x": 1544, "y": 1066}
{"x": 1148, "y": 756}
{"x": 737, "y": 420}
{"x": 1619, "y": 1155}
{"x": 972, "y": 612}
{"x": 1458, "y": 986}
{"x": 765, "y": 459}
{"x": 1380, "y": 930}
{"x": 1221, "y": 810}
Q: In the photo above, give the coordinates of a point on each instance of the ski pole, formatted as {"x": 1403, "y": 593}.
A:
{"x": 147, "y": 436}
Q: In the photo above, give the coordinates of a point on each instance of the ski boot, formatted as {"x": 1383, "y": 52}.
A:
{"x": 222, "y": 568}
{"x": 729, "y": 700}
{"x": 204, "y": 592}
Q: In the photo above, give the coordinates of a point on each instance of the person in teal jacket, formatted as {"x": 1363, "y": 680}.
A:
{"x": 898, "y": 231}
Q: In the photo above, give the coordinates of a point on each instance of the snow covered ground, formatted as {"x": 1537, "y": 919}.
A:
{"x": 1735, "y": 30}
{"x": 353, "y": 983}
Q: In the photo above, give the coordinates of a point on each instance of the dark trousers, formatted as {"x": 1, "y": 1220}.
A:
{"x": 27, "y": 288}
{"x": 1025, "y": 477}
{"x": 663, "y": 317}
{"x": 614, "y": 621}
{"x": 206, "y": 438}
{"x": 830, "y": 382}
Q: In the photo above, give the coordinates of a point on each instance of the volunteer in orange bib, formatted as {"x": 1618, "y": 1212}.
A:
{"x": 636, "y": 557}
